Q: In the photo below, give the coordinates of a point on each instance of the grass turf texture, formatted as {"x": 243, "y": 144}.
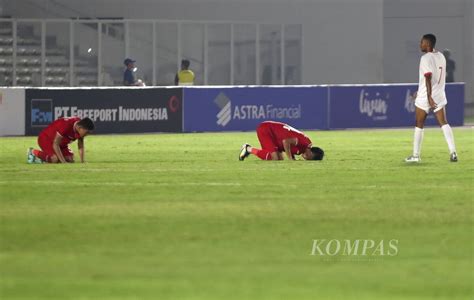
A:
{"x": 179, "y": 217}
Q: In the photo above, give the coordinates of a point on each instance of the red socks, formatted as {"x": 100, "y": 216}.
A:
{"x": 262, "y": 154}
{"x": 41, "y": 155}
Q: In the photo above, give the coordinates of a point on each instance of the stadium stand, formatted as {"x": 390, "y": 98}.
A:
{"x": 28, "y": 62}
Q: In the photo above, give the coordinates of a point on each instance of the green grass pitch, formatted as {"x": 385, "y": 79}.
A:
{"x": 177, "y": 216}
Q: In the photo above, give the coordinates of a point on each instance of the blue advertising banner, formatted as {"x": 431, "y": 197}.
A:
{"x": 243, "y": 108}
{"x": 455, "y": 107}
{"x": 371, "y": 106}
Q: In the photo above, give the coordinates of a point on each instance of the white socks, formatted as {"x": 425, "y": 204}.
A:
{"x": 418, "y": 138}
{"x": 448, "y": 135}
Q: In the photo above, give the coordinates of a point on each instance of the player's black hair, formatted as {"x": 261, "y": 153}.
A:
{"x": 430, "y": 38}
{"x": 185, "y": 63}
{"x": 318, "y": 153}
{"x": 86, "y": 123}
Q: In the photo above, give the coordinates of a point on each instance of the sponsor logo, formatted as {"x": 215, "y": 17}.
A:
{"x": 121, "y": 114}
{"x": 352, "y": 248}
{"x": 225, "y": 114}
{"x": 174, "y": 104}
{"x": 228, "y": 112}
{"x": 41, "y": 112}
{"x": 375, "y": 106}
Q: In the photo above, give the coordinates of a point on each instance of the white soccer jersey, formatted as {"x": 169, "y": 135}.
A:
{"x": 432, "y": 63}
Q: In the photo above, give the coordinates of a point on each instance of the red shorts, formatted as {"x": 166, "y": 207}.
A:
{"x": 46, "y": 145}
{"x": 267, "y": 138}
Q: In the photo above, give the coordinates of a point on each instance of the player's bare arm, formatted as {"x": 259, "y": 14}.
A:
{"x": 287, "y": 143}
{"x": 57, "y": 150}
{"x": 80, "y": 145}
{"x": 428, "y": 91}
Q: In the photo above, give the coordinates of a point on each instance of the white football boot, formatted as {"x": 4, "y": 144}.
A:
{"x": 413, "y": 159}
{"x": 243, "y": 152}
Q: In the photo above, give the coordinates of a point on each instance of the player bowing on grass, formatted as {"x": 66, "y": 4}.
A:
{"x": 431, "y": 96}
{"x": 54, "y": 141}
{"x": 276, "y": 138}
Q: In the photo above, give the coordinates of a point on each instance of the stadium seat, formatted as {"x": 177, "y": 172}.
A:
{"x": 6, "y": 51}
{"x": 6, "y": 41}
{"x": 6, "y": 62}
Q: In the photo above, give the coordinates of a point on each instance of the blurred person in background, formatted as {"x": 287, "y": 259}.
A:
{"x": 450, "y": 66}
{"x": 185, "y": 76}
{"x": 129, "y": 74}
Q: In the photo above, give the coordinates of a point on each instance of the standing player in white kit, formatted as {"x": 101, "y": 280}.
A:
{"x": 431, "y": 96}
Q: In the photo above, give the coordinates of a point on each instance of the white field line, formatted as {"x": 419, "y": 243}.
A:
{"x": 150, "y": 184}
{"x": 57, "y": 182}
{"x": 39, "y": 168}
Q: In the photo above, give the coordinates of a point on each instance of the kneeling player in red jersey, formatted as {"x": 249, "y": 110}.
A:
{"x": 54, "y": 140}
{"x": 276, "y": 138}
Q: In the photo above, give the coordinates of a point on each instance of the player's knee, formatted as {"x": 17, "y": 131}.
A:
{"x": 441, "y": 117}
{"x": 420, "y": 122}
{"x": 69, "y": 159}
{"x": 54, "y": 159}
{"x": 420, "y": 125}
{"x": 442, "y": 122}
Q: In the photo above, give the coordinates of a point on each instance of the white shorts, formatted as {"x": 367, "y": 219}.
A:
{"x": 424, "y": 105}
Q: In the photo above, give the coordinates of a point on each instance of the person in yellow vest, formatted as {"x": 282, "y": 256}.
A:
{"x": 185, "y": 76}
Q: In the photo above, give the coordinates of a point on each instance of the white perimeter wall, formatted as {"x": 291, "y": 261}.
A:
{"x": 12, "y": 111}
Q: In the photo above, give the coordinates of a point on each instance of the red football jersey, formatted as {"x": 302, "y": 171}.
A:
{"x": 284, "y": 131}
{"x": 63, "y": 126}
